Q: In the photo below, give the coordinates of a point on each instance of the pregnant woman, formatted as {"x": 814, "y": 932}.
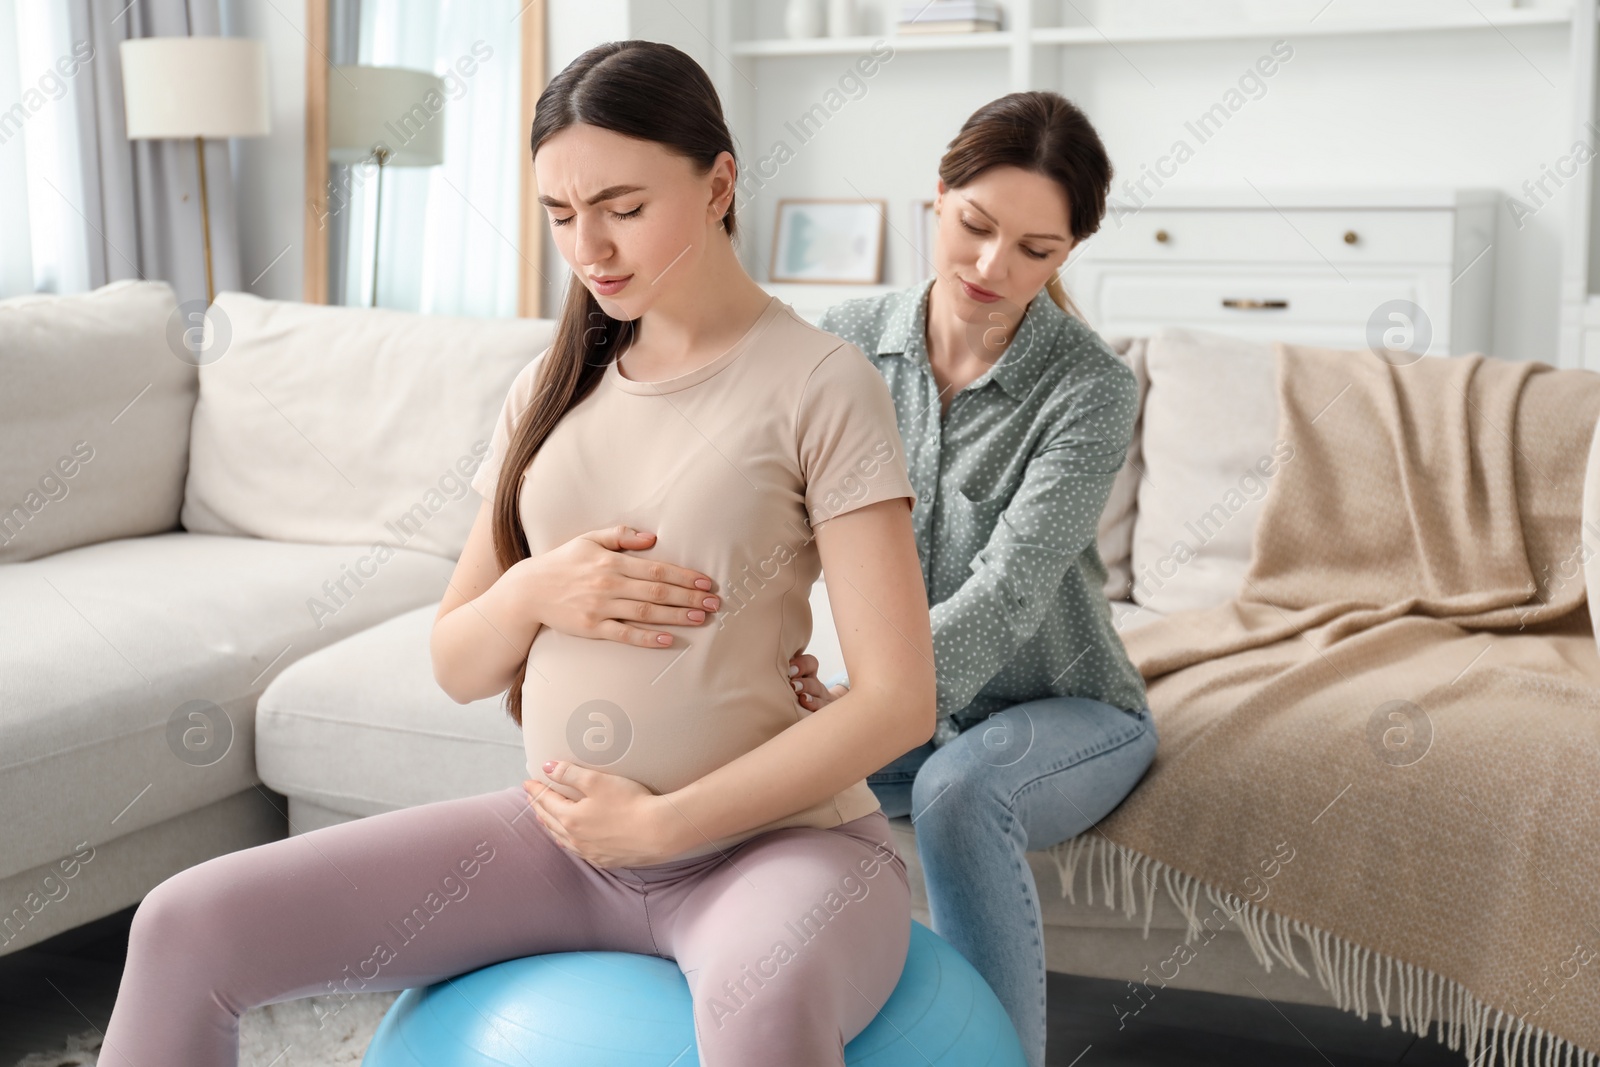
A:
{"x": 682, "y": 803}
{"x": 1016, "y": 417}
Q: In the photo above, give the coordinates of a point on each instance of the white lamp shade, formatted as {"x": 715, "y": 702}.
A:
{"x": 399, "y": 109}
{"x": 195, "y": 87}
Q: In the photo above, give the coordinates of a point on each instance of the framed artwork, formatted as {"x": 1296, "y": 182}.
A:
{"x": 828, "y": 242}
{"x": 924, "y": 225}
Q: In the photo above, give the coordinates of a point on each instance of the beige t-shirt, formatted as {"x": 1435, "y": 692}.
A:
{"x": 729, "y": 465}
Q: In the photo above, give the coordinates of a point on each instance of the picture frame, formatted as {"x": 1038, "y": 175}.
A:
{"x": 828, "y": 241}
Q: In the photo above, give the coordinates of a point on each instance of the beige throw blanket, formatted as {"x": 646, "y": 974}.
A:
{"x": 1389, "y": 744}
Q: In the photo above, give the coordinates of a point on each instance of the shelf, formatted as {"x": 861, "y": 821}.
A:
{"x": 917, "y": 42}
{"x": 1082, "y": 35}
{"x": 1089, "y": 35}
{"x": 1315, "y": 198}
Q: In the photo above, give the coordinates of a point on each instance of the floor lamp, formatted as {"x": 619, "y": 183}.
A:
{"x": 195, "y": 87}
{"x": 391, "y": 116}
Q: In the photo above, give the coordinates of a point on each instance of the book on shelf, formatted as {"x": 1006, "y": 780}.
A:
{"x": 949, "y": 16}
{"x": 947, "y": 26}
{"x": 941, "y": 10}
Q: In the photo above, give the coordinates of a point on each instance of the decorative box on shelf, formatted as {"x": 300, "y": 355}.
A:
{"x": 1323, "y": 267}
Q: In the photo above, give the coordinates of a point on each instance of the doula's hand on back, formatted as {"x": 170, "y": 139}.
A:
{"x": 811, "y": 693}
{"x": 592, "y": 587}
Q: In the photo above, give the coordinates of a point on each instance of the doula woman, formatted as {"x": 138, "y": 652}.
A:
{"x": 1016, "y": 418}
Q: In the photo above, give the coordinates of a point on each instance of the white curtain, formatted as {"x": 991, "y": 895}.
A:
{"x": 449, "y": 232}
{"x": 80, "y": 204}
{"x": 43, "y": 240}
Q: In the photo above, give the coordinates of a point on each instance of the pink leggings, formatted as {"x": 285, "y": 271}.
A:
{"x": 790, "y": 942}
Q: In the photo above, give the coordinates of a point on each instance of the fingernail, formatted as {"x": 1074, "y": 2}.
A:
{"x": 549, "y": 766}
{"x": 793, "y": 670}
{"x": 701, "y": 583}
{"x": 796, "y": 686}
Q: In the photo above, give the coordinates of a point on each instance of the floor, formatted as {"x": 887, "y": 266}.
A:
{"x": 69, "y": 983}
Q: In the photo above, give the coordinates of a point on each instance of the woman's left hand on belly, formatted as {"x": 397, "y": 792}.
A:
{"x": 609, "y": 820}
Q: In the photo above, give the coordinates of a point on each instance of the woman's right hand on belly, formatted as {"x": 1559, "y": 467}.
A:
{"x": 591, "y": 587}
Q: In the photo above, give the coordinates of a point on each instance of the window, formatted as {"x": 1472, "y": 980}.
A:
{"x": 42, "y": 206}
{"x": 449, "y": 242}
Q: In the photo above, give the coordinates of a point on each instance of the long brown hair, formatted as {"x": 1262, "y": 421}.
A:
{"x": 641, "y": 89}
{"x": 1042, "y": 132}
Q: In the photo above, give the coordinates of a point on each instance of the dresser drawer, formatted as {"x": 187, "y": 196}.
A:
{"x": 1156, "y": 235}
{"x": 1230, "y": 296}
{"x": 1308, "y": 305}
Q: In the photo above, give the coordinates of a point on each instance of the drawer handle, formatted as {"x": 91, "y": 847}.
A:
{"x": 1350, "y": 237}
{"x": 1162, "y": 236}
{"x": 1254, "y": 305}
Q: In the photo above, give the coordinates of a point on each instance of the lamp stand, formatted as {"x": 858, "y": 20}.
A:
{"x": 205, "y": 216}
{"x": 377, "y": 226}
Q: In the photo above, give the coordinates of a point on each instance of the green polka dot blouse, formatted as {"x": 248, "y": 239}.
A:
{"x": 1010, "y": 486}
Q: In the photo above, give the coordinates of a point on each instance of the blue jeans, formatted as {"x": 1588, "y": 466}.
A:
{"x": 1025, "y": 778}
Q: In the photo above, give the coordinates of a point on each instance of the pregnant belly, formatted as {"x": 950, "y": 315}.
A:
{"x": 663, "y": 717}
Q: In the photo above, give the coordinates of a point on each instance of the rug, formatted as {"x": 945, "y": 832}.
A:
{"x": 291, "y": 1034}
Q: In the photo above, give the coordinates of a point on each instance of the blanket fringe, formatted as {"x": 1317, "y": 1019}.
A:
{"x": 1417, "y": 997}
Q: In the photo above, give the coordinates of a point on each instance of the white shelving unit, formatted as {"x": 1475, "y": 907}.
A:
{"x": 1403, "y": 22}
{"x": 1037, "y": 34}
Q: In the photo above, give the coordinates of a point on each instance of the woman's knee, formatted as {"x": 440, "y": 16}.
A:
{"x": 1140, "y": 753}
{"x": 1083, "y": 791}
{"x": 184, "y": 933}
{"x": 179, "y": 908}
{"x": 955, "y": 783}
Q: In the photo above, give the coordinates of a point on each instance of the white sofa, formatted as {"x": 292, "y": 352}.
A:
{"x": 204, "y": 646}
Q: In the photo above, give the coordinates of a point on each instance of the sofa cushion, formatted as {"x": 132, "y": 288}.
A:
{"x": 348, "y": 425}
{"x": 94, "y": 418}
{"x": 1210, "y": 451}
{"x": 1115, "y": 536}
{"x": 361, "y": 726}
{"x": 103, "y": 648}
{"x": 1126, "y": 615}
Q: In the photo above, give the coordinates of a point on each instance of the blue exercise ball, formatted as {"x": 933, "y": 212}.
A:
{"x": 621, "y": 1009}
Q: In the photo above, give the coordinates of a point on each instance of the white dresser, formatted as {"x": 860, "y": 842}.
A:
{"x": 1312, "y": 266}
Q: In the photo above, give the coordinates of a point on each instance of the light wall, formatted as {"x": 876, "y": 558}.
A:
{"x": 1480, "y": 108}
